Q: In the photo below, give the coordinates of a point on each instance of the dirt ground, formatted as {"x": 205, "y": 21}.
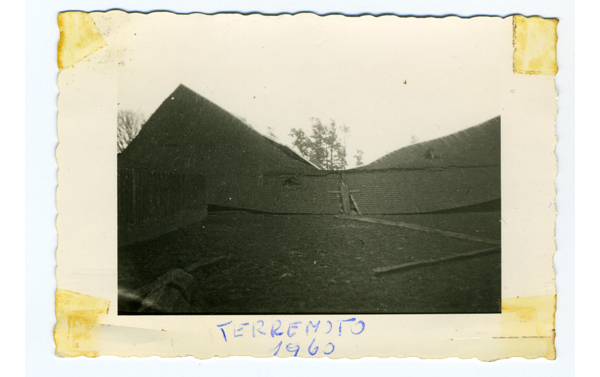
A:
{"x": 323, "y": 264}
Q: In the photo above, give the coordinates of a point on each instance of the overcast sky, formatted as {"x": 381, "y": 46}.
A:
{"x": 386, "y": 78}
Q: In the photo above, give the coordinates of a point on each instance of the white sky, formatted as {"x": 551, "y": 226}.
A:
{"x": 279, "y": 71}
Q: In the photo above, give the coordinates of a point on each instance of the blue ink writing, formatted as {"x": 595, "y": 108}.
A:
{"x": 362, "y": 324}
{"x": 342, "y": 321}
{"x": 330, "y": 327}
{"x": 315, "y": 327}
{"x": 235, "y": 330}
{"x": 277, "y": 348}
{"x": 314, "y": 351}
{"x": 315, "y": 334}
{"x": 274, "y": 329}
{"x": 292, "y": 347}
{"x": 223, "y": 331}
{"x": 332, "y": 348}
{"x": 293, "y": 325}
{"x": 262, "y": 323}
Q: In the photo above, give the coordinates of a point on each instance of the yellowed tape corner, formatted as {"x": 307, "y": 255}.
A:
{"x": 78, "y": 329}
{"x": 534, "y": 42}
{"x": 79, "y": 37}
{"x": 528, "y": 326}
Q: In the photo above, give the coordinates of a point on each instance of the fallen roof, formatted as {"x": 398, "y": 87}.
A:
{"x": 396, "y": 191}
{"x": 246, "y": 170}
{"x": 190, "y": 133}
{"x": 474, "y": 146}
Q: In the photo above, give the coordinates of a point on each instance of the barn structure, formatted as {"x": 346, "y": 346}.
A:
{"x": 152, "y": 201}
{"x": 454, "y": 171}
{"x": 189, "y": 136}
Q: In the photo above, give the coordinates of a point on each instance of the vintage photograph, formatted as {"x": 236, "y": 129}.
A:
{"x": 350, "y": 170}
{"x": 304, "y": 185}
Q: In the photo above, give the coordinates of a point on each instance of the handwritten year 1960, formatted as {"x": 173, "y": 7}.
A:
{"x": 296, "y": 331}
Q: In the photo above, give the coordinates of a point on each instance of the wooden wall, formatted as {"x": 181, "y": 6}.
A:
{"x": 152, "y": 203}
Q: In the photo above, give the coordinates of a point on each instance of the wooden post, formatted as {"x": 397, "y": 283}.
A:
{"x": 354, "y": 202}
{"x": 345, "y": 197}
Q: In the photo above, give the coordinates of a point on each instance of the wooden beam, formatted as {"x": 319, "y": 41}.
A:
{"x": 404, "y": 266}
{"x": 345, "y": 198}
{"x": 423, "y": 228}
{"x": 355, "y": 205}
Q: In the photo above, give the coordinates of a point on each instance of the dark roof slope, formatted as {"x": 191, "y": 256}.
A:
{"x": 289, "y": 152}
{"x": 244, "y": 169}
{"x": 474, "y": 146}
{"x": 189, "y": 133}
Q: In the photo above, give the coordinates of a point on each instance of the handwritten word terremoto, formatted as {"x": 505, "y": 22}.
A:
{"x": 295, "y": 333}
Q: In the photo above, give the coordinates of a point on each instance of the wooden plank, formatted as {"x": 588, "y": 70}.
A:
{"x": 422, "y": 228}
{"x": 404, "y": 266}
{"x": 345, "y": 198}
{"x": 354, "y": 202}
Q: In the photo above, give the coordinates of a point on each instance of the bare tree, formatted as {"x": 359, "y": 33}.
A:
{"x": 129, "y": 124}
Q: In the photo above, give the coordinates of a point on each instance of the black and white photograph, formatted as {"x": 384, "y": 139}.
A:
{"x": 304, "y": 185}
{"x": 310, "y": 165}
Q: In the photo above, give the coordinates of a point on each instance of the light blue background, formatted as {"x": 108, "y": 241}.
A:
{"x": 41, "y": 73}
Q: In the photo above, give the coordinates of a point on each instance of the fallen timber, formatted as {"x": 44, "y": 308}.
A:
{"x": 421, "y": 228}
{"x": 404, "y": 266}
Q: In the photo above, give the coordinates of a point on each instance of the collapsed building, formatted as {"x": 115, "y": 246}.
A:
{"x": 454, "y": 171}
{"x": 238, "y": 168}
